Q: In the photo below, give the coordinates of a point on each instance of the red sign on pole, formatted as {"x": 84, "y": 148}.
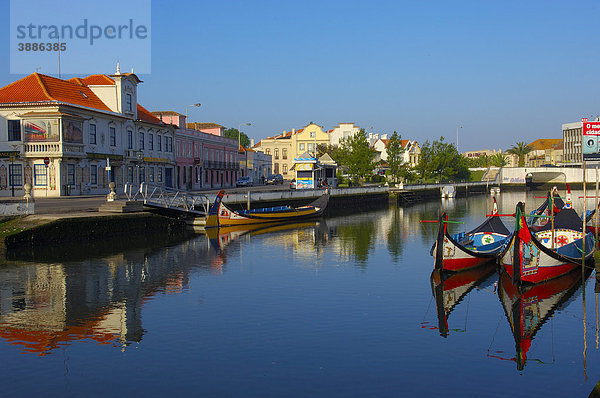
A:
{"x": 591, "y": 133}
{"x": 46, "y": 161}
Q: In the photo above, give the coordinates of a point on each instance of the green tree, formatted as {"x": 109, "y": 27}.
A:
{"x": 499, "y": 159}
{"x": 394, "y": 153}
{"x": 520, "y": 149}
{"x": 356, "y": 155}
{"x": 441, "y": 161}
{"x": 233, "y": 134}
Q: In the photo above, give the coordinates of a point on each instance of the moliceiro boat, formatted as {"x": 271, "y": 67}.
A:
{"x": 555, "y": 249}
{"x": 466, "y": 250}
{"x": 220, "y": 215}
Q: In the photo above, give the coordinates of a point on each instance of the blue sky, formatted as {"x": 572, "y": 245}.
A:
{"x": 506, "y": 71}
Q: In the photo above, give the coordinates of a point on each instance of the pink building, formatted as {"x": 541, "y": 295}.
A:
{"x": 204, "y": 158}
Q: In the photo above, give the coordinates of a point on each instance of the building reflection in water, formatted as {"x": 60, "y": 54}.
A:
{"x": 47, "y": 306}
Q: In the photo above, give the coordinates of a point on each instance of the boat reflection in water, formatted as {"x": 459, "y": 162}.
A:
{"x": 449, "y": 289}
{"x": 221, "y": 237}
{"x": 528, "y": 308}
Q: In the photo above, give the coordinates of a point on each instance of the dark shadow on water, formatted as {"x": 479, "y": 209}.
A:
{"x": 104, "y": 246}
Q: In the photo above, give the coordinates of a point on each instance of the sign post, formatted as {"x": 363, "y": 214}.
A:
{"x": 590, "y": 151}
{"x": 108, "y": 169}
{"x": 46, "y": 163}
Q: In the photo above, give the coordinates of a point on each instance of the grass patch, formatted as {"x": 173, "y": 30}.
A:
{"x": 477, "y": 175}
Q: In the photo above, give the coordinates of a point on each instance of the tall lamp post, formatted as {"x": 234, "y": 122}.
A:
{"x": 239, "y": 137}
{"x": 139, "y": 155}
{"x": 459, "y": 127}
{"x": 186, "y": 111}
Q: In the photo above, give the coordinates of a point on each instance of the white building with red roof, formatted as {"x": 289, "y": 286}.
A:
{"x": 79, "y": 127}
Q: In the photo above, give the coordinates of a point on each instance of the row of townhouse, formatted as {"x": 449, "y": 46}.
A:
{"x": 285, "y": 147}
{"x": 74, "y": 137}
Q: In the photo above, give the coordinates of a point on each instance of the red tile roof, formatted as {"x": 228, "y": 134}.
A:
{"x": 41, "y": 88}
{"x": 145, "y": 115}
{"x": 98, "y": 80}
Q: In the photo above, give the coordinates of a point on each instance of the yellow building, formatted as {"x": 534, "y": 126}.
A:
{"x": 288, "y": 145}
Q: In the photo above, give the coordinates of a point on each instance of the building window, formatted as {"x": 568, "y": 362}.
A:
{"x": 301, "y": 147}
{"x": 310, "y": 147}
{"x": 284, "y": 153}
{"x": 71, "y": 174}
{"x": 159, "y": 174}
{"x": 93, "y": 174}
{"x": 129, "y": 139}
{"x": 285, "y": 168}
{"x": 170, "y": 144}
{"x": 151, "y": 174}
{"x": 129, "y": 103}
{"x": 130, "y": 174}
{"x": 142, "y": 174}
{"x": 151, "y": 141}
{"x": 14, "y": 130}
{"x": 16, "y": 175}
{"x": 92, "y": 134}
{"x": 313, "y": 134}
{"x": 268, "y": 151}
{"x": 276, "y": 153}
{"x": 159, "y": 143}
{"x": 141, "y": 135}
{"x": 40, "y": 175}
{"x": 112, "y": 132}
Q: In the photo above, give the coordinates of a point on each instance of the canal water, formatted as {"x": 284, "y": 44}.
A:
{"x": 337, "y": 307}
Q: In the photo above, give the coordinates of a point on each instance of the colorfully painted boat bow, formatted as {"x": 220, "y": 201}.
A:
{"x": 552, "y": 251}
{"x": 221, "y": 215}
{"x": 469, "y": 249}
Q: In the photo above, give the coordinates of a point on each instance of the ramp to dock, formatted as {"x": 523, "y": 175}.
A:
{"x": 161, "y": 197}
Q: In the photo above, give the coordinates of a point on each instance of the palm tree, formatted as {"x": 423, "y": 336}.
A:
{"x": 520, "y": 149}
{"x": 498, "y": 159}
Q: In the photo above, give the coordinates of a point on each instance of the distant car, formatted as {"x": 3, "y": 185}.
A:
{"x": 274, "y": 179}
{"x": 293, "y": 184}
{"x": 244, "y": 182}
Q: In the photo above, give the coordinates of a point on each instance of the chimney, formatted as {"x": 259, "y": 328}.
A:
{"x": 251, "y": 142}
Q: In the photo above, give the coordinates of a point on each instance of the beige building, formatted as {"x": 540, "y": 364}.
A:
{"x": 537, "y": 157}
{"x": 288, "y": 145}
{"x": 572, "y": 138}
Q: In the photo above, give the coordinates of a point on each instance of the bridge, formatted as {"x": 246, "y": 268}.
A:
{"x": 157, "y": 196}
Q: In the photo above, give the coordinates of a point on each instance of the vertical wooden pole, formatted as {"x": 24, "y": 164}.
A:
{"x": 584, "y": 218}
{"x": 596, "y": 205}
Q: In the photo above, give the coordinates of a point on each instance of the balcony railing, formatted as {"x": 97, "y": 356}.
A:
{"x": 37, "y": 149}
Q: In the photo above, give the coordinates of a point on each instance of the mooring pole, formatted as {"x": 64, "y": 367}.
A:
{"x": 584, "y": 220}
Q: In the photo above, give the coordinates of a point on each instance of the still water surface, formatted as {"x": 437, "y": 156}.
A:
{"x": 338, "y": 307}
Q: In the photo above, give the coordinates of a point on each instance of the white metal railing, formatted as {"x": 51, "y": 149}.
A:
{"x": 169, "y": 198}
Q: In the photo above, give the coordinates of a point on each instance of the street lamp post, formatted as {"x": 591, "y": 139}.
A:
{"x": 139, "y": 155}
{"x": 239, "y": 137}
{"x": 186, "y": 111}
